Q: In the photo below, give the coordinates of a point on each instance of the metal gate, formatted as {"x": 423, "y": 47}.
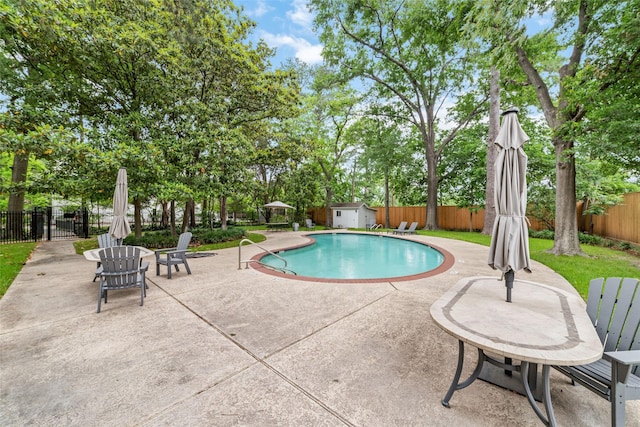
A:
{"x": 43, "y": 224}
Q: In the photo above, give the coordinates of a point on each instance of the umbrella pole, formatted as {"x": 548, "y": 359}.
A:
{"x": 508, "y": 278}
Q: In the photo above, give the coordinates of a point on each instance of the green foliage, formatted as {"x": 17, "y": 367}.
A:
{"x": 207, "y": 236}
{"x": 201, "y": 236}
{"x": 542, "y": 234}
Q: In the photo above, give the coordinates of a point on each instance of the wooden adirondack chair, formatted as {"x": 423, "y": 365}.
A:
{"x": 104, "y": 241}
{"x": 121, "y": 269}
{"x": 615, "y": 312}
{"x": 174, "y": 256}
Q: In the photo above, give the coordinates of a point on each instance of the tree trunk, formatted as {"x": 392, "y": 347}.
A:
{"x": 137, "y": 211}
{"x": 223, "y": 212}
{"x": 328, "y": 197}
{"x": 494, "y": 128}
{"x": 164, "y": 219}
{"x": 189, "y": 213}
{"x": 18, "y": 178}
{"x": 566, "y": 240}
{"x": 173, "y": 218}
{"x": 16, "y": 199}
{"x": 432, "y": 194}
{"x": 386, "y": 198}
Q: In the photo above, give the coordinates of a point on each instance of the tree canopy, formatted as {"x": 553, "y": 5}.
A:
{"x": 179, "y": 95}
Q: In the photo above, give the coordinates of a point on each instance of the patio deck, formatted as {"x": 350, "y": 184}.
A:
{"x": 229, "y": 347}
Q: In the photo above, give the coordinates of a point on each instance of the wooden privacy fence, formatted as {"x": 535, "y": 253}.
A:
{"x": 620, "y": 222}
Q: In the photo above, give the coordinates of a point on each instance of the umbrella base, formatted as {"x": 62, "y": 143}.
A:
{"x": 501, "y": 377}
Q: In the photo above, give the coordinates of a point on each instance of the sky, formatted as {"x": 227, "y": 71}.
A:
{"x": 287, "y": 26}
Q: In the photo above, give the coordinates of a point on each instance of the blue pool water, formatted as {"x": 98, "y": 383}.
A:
{"x": 358, "y": 256}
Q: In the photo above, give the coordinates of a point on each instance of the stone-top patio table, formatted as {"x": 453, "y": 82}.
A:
{"x": 94, "y": 254}
{"x": 543, "y": 325}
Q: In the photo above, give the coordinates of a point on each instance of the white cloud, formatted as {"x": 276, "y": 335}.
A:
{"x": 300, "y": 14}
{"x": 304, "y": 51}
{"x": 261, "y": 8}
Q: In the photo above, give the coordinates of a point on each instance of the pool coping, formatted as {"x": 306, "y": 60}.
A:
{"x": 447, "y": 263}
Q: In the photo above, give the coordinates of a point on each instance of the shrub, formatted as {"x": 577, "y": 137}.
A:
{"x": 591, "y": 239}
{"x": 206, "y": 236}
{"x": 155, "y": 239}
{"x": 201, "y": 236}
{"x": 542, "y": 234}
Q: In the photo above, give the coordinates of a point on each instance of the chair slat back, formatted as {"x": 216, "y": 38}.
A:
{"x": 121, "y": 265}
{"x": 615, "y": 312}
{"x": 183, "y": 241}
{"x": 106, "y": 241}
{"x": 630, "y": 336}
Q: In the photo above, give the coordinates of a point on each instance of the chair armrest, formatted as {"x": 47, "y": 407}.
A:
{"x": 621, "y": 363}
{"x": 144, "y": 266}
{"x": 161, "y": 251}
{"x": 175, "y": 251}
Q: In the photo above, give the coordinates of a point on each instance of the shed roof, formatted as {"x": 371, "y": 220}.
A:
{"x": 355, "y": 205}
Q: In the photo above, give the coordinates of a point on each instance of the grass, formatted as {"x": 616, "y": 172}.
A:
{"x": 12, "y": 258}
{"x": 578, "y": 270}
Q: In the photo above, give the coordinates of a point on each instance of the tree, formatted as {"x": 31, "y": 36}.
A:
{"x": 583, "y": 27}
{"x": 331, "y": 108}
{"x": 383, "y": 150}
{"x": 413, "y": 52}
{"x": 30, "y": 87}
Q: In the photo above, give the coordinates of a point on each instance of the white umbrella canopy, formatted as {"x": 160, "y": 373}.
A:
{"x": 509, "y": 251}
{"x": 119, "y": 228}
{"x": 278, "y": 204}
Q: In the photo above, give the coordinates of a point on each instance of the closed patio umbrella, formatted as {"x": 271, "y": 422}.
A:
{"x": 119, "y": 228}
{"x": 509, "y": 251}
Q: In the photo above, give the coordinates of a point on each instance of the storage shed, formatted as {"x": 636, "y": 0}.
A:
{"x": 352, "y": 215}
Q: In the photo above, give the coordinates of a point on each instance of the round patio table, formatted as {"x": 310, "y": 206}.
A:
{"x": 542, "y": 325}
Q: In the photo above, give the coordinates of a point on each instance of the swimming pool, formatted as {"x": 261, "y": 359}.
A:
{"x": 356, "y": 257}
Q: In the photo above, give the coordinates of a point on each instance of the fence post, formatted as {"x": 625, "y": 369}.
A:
{"x": 49, "y": 220}
{"x": 37, "y": 224}
{"x": 85, "y": 222}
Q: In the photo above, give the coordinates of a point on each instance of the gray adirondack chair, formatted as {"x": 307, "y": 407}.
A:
{"x": 104, "y": 241}
{"x": 174, "y": 256}
{"x": 310, "y": 224}
{"x": 614, "y": 310}
{"x": 121, "y": 269}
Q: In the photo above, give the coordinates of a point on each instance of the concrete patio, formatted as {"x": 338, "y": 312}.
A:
{"x": 229, "y": 347}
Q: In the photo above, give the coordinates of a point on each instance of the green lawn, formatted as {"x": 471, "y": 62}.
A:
{"x": 579, "y": 270}
{"x": 12, "y": 258}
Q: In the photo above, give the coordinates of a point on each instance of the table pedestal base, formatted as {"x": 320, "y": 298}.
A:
{"x": 548, "y": 419}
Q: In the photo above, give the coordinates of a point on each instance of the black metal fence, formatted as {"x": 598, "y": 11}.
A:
{"x": 43, "y": 224}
